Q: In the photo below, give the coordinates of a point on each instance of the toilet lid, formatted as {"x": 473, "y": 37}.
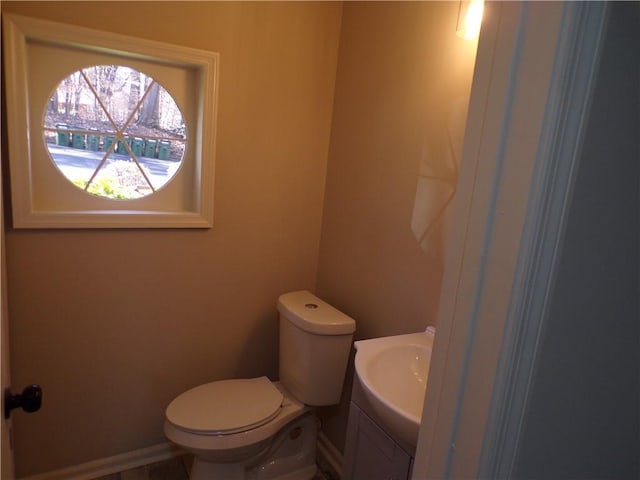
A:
{"x": 225, "y": 407}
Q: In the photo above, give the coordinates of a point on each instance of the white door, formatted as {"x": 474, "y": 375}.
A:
{"x": 6, "y": 467}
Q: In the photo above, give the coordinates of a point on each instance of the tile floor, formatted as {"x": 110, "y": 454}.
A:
{"x": 174, "y": 469}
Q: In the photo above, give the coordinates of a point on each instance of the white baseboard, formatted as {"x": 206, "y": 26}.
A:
{"x": 157, "y": 453}
{"x": 117, "y": 463}
{"x": 328, "y": 452}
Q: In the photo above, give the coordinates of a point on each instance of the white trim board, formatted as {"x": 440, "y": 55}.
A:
{"x": 328, "y": 452}
{"x": 529, "y": 99}
{"x": 43, "y": 198}
{"x": 109, "y": 465}
{"x": 158, "y": 453}
{"x": 568, "y": 106}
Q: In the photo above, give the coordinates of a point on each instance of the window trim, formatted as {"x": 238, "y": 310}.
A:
{"x": 19, "y": 31}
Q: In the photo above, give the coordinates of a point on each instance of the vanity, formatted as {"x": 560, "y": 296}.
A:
{"x": 386, "y": 406}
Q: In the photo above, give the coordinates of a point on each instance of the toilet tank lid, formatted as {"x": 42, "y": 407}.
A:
{"x": 313, "y": 315}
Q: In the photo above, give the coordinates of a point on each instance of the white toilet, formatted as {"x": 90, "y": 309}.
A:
{"x": 255, "y": 429}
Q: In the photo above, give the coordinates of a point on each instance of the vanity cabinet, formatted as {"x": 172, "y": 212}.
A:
{"x": 370, "y": 452}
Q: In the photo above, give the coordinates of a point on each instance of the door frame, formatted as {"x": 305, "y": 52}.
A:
{"x": 6, "y": 463}
{"x": 530, "y": 98}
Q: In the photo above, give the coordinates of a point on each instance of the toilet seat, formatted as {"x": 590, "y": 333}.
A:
{"x": 225, "y": 407}
{"x": 290, "y": 410}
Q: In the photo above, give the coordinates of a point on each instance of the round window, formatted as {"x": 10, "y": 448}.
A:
{"x": 114, "y": 132}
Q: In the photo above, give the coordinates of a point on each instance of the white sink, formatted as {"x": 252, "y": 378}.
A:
{"x": 393, "y": 372}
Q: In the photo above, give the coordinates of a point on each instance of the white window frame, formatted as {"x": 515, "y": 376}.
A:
{"x": 41, "y": 197}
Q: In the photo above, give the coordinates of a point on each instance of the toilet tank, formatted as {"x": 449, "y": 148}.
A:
{"x": 315, "y": 342}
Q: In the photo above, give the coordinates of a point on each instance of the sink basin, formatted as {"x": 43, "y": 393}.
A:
{"x": 393, "y": 372}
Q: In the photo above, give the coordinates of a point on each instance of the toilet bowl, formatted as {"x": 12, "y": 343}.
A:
{"x": 256, "y": 429}
{"x": 242, "y": 433}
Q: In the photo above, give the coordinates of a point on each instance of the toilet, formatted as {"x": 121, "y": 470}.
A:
{"x": 256, "y": 429}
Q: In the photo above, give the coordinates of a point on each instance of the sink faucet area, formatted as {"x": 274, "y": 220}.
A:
{"x": 393, "y": 372}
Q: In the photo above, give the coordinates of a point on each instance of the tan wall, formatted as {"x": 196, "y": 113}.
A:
{"x": 402, "y": 90}
{"x": 114, "y": 324}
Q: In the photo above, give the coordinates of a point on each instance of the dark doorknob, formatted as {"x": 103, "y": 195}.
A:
{"x": 29, "y": 400}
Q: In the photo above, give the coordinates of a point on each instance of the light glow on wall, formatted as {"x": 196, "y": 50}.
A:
{"x": 469, "y": 19}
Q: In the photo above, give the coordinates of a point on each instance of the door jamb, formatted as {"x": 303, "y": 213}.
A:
{"x": 529, "y": 102}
